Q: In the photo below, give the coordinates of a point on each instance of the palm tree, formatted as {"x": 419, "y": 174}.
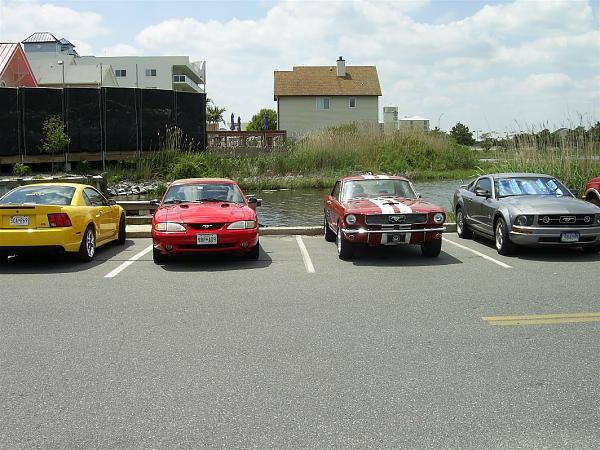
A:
{"x": 214, "y": 113}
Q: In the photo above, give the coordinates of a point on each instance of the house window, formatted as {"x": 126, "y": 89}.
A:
{"x": 322, "y": 102}
{"x": 120, "y": 73}
{"x": 179, "y": 78}
{"x": 150, "y": 72}
{"x": 352, "y": 102}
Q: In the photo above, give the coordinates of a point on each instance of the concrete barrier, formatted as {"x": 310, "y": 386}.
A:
{"x": 143, "y": 231}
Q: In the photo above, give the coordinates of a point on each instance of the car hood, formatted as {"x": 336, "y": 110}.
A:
{"x": 390, "y": 205}
{"x": 541, "y": 204}
{"x": 204, "y": 213}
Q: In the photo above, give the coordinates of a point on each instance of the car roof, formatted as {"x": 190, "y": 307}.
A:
{"x": 75, "y": 185}
{"x": 201, "y": 180}
{"x": 372, "y": 177}
{"x": 516, "y": 175}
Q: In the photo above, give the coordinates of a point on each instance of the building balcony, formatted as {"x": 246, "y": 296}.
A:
{"x": 184, "y": 83}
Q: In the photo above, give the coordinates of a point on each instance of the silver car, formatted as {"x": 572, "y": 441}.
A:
{"x": 526, "y": 209}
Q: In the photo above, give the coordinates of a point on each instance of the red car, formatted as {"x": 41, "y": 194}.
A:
{"x": 202, "y": 215}
{"x": 381, "y": 210}
{"x": 592, "y": 191}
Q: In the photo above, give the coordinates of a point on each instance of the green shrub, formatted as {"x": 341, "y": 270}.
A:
{"x": 20, "y": 169}
{"x": 83, "y": 167}
{"x": 190, "y": 165}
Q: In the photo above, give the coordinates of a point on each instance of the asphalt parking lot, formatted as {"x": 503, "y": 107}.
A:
{"x": 300, "y": 349}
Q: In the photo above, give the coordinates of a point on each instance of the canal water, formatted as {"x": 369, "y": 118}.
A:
{"x": 304, "y": 207}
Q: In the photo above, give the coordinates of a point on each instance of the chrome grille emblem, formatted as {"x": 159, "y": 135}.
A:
{"x": 396, "y": 219}
{"x": 567, "y": 219}
{"x": 205, "y": 226}
{"x": 546, "y": 219}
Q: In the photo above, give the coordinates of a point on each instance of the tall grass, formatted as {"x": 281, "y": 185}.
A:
{"x": 572, "y": 159}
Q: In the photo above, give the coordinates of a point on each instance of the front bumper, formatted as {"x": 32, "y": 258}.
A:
{"x": 534, "y": 236}
{"x": 14, "y": 239}
{"x": 382, "y": 236}
{"x": 227, "y": 241}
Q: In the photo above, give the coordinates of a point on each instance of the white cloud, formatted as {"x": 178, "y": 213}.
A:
{"x": 19, "y": 19}
{"x": 121, "y": 50}
{"x": 551, "y": 81}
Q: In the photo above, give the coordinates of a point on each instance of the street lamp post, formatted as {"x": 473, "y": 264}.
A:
{"x": 61, "y": 63}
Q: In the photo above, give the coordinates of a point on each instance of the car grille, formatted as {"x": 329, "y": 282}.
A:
{"x": 571, "y": 220}
{"x": 205, "y": 226}
{"x": 395, "y": 219}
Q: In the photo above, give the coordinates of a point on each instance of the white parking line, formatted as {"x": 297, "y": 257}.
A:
{"x": 489, "y": 258}
{"x": 127, "y": 263}
{"x": 305, "y": 256}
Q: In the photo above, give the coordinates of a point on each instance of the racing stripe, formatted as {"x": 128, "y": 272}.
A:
{"x": 383, "y": 205}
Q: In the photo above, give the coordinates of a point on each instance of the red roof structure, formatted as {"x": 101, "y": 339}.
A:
{"x": 15, "y": 70}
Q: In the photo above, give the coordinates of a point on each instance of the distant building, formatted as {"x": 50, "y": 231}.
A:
{"x": 15, "y": 70}
{"x": 310, "y": 98}
{"x": 413, "y": 123}
{"x": 390, "y": 119}
{"x": 51, "y": 58}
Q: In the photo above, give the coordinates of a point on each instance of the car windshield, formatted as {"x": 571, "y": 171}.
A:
{"x": 203, "y": 192}
{"x": 507, "y": 187}
{"x": 39, "y": 195}
{"x": 377, "y": 188}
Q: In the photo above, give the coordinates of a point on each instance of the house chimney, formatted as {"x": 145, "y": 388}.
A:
{"x": 341, "y": 67}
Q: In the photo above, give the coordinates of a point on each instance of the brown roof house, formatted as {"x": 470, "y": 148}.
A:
{"x": 312, "y": 98}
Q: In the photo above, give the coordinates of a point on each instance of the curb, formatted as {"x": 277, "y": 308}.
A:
{"x": 143, "y": 231}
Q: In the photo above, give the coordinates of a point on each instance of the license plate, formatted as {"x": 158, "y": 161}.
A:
{"x": 399, "y": 238}
{"x": 569, "y": 236}
{"x": 19, "y": 220}
{"x": 206, "y": 239}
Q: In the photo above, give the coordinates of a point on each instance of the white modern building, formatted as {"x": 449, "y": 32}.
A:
{"x": 56, "y": 63}
{"x": 413, "y": 123}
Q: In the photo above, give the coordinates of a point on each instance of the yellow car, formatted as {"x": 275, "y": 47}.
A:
{"x": 69, "y": 217}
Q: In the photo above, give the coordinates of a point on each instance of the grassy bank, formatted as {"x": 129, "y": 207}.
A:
{"x": 316, "y": 161}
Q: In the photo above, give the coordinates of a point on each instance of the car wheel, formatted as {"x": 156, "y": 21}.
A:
{"x": 462, "y": 229}
{"x": 590, "y": 249}
{"x": 87, "y": 249}
{"x": 122, "y": 230}
{"x": 253, "y": 254}
{"x": 329, "y": 234}
{"x": 503, "y": 243}
{"x": 431, "y": 249}
{"x": 344, "y": 248}
{"x": 158, "y": 257}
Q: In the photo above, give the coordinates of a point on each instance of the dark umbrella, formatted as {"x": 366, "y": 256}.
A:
{"x": 232, "y": 122}
{"x": 265, "y": 121}
{"x": 239, "y": 124}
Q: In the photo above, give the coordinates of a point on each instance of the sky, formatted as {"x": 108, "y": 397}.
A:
{"x": 502, "y": 66}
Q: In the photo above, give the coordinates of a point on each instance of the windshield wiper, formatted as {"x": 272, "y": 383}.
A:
{"x": 216, "y": 200}
{"x": 175, "y": 201}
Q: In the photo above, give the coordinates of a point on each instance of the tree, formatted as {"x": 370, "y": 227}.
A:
{"x": 55, "y": 139}
{"x": 256, "y": 124}
{"x": 462, "y": 135}
{"x": 214, "y": 113}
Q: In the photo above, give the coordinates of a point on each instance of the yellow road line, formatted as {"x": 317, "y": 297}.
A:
{"x": 541, "y": 319}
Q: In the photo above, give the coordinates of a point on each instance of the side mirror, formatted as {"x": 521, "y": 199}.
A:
{"x": 419, "y": 195}
{"x": 155, "y": 202}
{"x": 111, "y": 202}
{"x": 253, "y": 202}
{"x": 482, "y": 193}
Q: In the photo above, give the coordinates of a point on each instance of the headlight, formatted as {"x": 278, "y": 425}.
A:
{"x": 169, "y": 226}
{"x": 438, "y": 217}
{"x": 350, "y": 219}
{"x": 523, "y": 221}
{"x": 242, "y": 225}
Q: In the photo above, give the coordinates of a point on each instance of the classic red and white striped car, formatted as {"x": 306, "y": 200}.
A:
{"x": 381, "y": 210}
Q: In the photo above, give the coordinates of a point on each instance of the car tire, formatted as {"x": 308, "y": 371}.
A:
{"x": 122, "y": 230}
{"x": 328, "y": 232}
{"x": 462, "y": 229}
{"x": 431, "y": 249}
{"x": 158, "y": 257}
{"x": 254, "y": 252}
{"x": 591, "y": 249}
{"x": 503, "y": 244}
{"x": 344, "y": 248}
{"x": 87, "y": 249}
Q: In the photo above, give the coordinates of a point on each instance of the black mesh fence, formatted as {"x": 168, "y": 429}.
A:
{"x": 100, "y": 120}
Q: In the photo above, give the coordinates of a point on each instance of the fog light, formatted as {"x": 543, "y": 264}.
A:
{"x": 244, "y": 244}
{"x": 351, "y": 237}
{"x": 168, "y": 247}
